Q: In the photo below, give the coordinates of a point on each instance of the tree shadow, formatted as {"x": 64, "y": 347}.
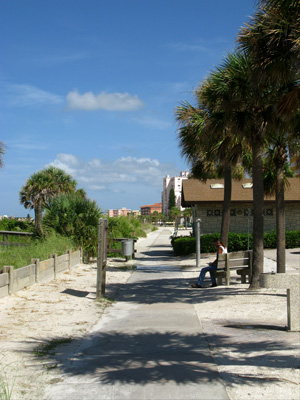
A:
{"x": 145, "y": 357}
{"x": 154, "y": 288}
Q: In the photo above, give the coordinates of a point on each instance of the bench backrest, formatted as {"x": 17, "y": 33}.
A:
{"x": 235, "y": 259}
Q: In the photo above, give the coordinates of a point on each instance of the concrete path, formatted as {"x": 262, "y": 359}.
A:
{"x": 148, "y": 345}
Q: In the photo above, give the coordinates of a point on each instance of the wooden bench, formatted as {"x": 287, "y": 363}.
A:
{"x": 240, "y": 261}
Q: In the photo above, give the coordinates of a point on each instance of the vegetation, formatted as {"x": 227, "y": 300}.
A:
{"x": 174, "y": 215}
{"x": 41, "y": 187}
{"x": 12, "y": 224}
{"x": 75, "y": 217}
{"x": 250, "y": 101}
{"x": 172, "y": 199}
{"x": 185, "y": 245}
{"x": 39, "y": 248}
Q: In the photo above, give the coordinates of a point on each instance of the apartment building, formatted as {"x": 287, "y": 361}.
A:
{"x": 176, "y": 184}
{"x": 150, "y": 208}
{"x": 118, "y": 212}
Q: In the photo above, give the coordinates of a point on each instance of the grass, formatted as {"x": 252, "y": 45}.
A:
{"x": 38, "y": 248}
{"x": 5, "y": 388}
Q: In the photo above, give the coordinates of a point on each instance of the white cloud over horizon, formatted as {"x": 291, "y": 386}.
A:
{"x": 103, "y": 101}
{"x": 102, "y": 175}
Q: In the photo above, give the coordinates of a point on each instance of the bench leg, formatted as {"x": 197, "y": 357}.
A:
{"x": 243, "y": 278}
{"x": 219, "y": 280}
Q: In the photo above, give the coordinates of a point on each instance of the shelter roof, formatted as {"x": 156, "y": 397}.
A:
{"x": 195, "y": 192}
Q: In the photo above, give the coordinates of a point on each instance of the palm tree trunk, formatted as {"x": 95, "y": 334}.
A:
{"x": 38, "y": 216}
{"x": 258, "y": 216}
{"x": 280, "y": 222}
{"x": 226, "y": 206}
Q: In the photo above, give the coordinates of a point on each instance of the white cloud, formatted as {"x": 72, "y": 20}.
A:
{"x": 103, "y": 101}
{"x": 97, "y": 174}
{"x": 27, "y": 95}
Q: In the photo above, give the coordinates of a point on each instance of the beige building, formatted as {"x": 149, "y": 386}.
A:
{"x": 206, "y": 200}
{"x": 176, "y": 184}
{"x": 118, "y": 212}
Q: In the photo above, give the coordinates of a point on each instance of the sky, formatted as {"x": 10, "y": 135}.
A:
{"x": 91, "y": 86}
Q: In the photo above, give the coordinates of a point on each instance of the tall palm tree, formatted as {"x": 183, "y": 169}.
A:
{"x": 272, "y": 41}
{"x": 43, "y": 186}
{"x": 276, "y": 172}
{"x": 246, "y": 110}
{"x": 208, "y": 145}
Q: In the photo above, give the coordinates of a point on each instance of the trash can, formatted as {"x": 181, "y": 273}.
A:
{"x": 127, "y": 247}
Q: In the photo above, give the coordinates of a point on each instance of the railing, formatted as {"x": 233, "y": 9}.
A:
{"x": 5, "y": 235}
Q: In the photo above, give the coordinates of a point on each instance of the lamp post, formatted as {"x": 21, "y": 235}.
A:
{"x": 198, "y": 244}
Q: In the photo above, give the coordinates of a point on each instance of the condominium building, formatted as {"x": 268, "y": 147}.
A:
{"x": 176, "y": 184}
{"x": 150, "y": 208}
{"x": 118, "y": 212}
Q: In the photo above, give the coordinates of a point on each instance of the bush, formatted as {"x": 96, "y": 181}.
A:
{"x": 7, "y": 224}
{"x": 185, "y": 245}
{"x": 74, "y": 217}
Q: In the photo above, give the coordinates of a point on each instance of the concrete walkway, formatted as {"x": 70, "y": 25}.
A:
{"x": 149, "y": 344}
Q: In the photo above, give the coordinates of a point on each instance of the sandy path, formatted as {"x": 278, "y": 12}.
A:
{"x": 58, "y": 310}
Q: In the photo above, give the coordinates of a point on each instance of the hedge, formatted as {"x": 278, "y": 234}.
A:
{"x": 185, "y": 245}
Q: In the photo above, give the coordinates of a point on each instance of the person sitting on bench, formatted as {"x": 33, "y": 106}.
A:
{"x": 211, "y": 267}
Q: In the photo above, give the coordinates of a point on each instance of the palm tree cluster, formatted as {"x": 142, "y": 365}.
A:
{"x": 247, "y": 109}
{"x": 41, "y": 187}
{"x": 67, "y": 210}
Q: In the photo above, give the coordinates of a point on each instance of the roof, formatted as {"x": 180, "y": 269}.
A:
{"x": 196, "y": 192}
{"x": 152, "y": 205}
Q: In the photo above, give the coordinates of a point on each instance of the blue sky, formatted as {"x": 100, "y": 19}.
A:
{"x": 90, "y": 86}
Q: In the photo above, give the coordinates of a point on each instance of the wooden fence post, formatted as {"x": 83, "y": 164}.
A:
{"x": 54, "y": 256}
{"x": 36, "y": 261}
{"x": 102, "y": 257}
{"x": 9, "y": 269}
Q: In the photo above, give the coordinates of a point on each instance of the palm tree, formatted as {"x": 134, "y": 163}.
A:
{"x": 208, "y": 145}
{"x": 175, "y": 214}
{"x": 2, "y": 152}
{"x": 43, "y": 186}
{"x": 248, "y": 108}
{"x": 187, "y": 213}
{"x": 276, "y": 172}
{"x": 272, "y": 41}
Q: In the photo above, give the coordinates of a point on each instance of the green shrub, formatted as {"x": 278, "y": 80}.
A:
{"x": 7, "y": 224}
{"x": 185, "y": 245}
{"x": 74, "y": 217}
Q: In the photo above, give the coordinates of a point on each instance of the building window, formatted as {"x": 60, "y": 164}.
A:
{"x": 233, "y": 212}
{"x": 209, "y": 213}
{"x": 246, "y": 212}
{"x": 268, "y": 212}
{"x": 217, "y": 213}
